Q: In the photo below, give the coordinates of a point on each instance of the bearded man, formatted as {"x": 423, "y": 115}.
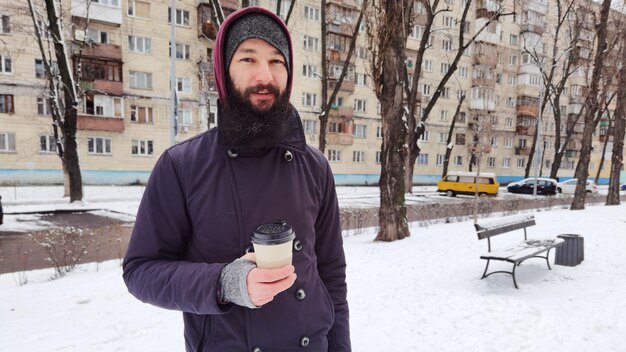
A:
{"x": 190, "y": 246}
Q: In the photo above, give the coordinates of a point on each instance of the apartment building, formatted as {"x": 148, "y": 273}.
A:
{"x": 125, "y": 117}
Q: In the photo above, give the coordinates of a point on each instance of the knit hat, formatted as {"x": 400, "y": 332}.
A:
{"x": 256, "y": 25}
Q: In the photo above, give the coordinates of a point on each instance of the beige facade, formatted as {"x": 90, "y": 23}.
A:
{"x": 125, "y": 120}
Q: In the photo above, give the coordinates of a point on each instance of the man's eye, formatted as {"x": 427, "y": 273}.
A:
{"x": 247, "y": 59}
{"x": 278, "y": 62}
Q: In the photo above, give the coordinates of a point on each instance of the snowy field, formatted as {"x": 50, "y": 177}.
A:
{"x": 423, "y": 293}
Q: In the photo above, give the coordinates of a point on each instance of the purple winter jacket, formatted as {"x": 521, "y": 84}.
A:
{"x": 199, "y": 208}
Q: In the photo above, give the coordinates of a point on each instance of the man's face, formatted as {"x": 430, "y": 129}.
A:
{"x": 258, "y": 73}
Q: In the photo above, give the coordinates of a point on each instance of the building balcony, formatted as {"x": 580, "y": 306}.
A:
{"x": 341, "y": 111}
{"x": 346, "y": 85}
{"x": 109, "y": 87}
{"x": 577, "y": 99}
{"x": 339, "y": 27}
{"x": 100, "y": 123}
{"x": 333, "y": 138}
{"x": 571, "y": 153}
{"x": 483, "y": 59}
{"x": 484, "y": 82}
{"x": 525, "y": 130}
{"x": 339, "y": 55}
{"x": 528, "y": 110}
{"x": 482, "y": 104}
{"x": 344, "y": 3}
{"x": 574, "y": 145}
{"x": 533, "y": 28}
{"x": 97, "y": 12}
{"x": 102, "y": 51}
{"x": 522, "y": 151}
{"x": 484, "y": 148}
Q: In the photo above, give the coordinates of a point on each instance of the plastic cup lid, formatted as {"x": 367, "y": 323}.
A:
{"x": 277, "y": 232}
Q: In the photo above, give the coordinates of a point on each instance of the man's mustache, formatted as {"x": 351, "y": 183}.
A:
{"x": 259, "y": 87}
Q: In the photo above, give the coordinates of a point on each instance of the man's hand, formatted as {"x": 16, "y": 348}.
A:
{"x": 264, "y": 284}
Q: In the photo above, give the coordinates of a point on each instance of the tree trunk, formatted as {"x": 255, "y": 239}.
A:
{"x": 70, "y": 158}
{"x": 592, "y": 107}
{"x": 449, "y": 146}
{"x": 392, "y": 213}
{"x": 619, "y": 121}
{"x": 604, "y": 146}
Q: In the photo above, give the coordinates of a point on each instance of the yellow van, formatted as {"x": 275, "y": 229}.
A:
{"x": 459, "y": 182}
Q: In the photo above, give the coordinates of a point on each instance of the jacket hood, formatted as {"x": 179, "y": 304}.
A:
{"x": 218, "y": 49}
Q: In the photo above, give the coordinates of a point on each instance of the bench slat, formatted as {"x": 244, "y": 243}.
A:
{"x": 523, "y": 250}
{"x": 484, "y": 232}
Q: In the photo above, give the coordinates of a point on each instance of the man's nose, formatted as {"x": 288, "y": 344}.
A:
{"x": 264, "y": 73}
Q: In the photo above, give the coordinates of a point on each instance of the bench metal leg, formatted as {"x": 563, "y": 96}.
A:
{"x": 512, "y": 273}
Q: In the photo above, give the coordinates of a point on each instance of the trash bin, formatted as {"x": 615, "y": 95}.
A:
{"x": 572, "y": 252}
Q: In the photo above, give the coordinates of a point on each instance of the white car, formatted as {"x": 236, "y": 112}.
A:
{"x": 569, "y": 186}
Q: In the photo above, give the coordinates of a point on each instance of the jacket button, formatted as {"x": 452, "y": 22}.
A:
{"x": 304, "y": 341}
{"x": 248, "y": 249}
{"x": 300, "y": 294}
{"x": 288, "y": 156}
{"x": 257, "y": 349}
{"x": 297, "y": 245}
{"x": 233, "y": 153}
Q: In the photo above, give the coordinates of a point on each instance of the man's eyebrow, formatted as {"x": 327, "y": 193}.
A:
{"x": 254, "y": 51}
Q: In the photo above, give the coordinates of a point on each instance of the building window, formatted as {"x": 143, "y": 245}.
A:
{"x": 360, "y": 105}
{"x": 521, "y": 162}
{"x": 138, "y": 9}
{"x": 7, "y": 142}
{"x": 185, "y": 118}
{"x": 379, "y": 132}
{"x": 141, "y": 45}
{"x": 416, "y": 32}
{"x": 443, "y": 115}
{"x": 112, "y": 3}
{"x": 142, "y": 147}
{"x": 359, "y": 131}
{"x": 5, "y": 64}
{"x": 491, "y": 162}
{"x": 39, "y": 69}
{"x": 361, "y": 79}
{"x": 428, "y": 66}
{"x": 445, "y": 67}
{"x": 47, "y": 144}
{"x": 99, "y": 145}
{"x": 97, "y": 36}
{"x": 440, "y": 159}
{"x": 183, "y": 84}
{"x": 361, "y": 52}
{"x": 5, "y": 24}
{"x": 311, "y": 43}
{"x": 506, "y": 163}
{"x": 460, "y": 139}
{"x": 422, "y": 159}
{"x": 358, "y": 156}
{"x": 334, "y": 155}
{"x": 309, "y": 71}
{"x": 101, "y": 70}
{"x": 377, "y": 158}
{"x": 458, "y": 160}
{"x": 510, "y": 102}
{"x": 425, "y": 136}
{"x": 508, "y": 142}
{"x": 141, "y": 114}
{"x": 443, "y": 138}
{"x": 310, "y": 126}
{"x": 103, "y": 105}
{"x": 140, "y": 80}
{"x": 463, "y": 71}
{"x": 448, "y": 21}
{"x": 309, "y": 99}
{"x": 6, "y": 104}
{"x": 426, "y": 89}
{"x": 182, "y": 51}
{"x": 513, "y": 60}
{"x": 312, "y": 13}
{"x": 446, "y": 45}
{"x": 513, "y": 39}
{"x": 182, "y": 17}
{"x": 508, "y": 122}
{"x": 494, "y": 142}
{"x": 43, "y": 106}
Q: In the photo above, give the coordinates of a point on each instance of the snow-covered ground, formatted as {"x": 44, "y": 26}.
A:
{"x": 423, "y": 293}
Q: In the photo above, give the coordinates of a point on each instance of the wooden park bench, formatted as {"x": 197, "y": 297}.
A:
{"x": 520, "y": 252}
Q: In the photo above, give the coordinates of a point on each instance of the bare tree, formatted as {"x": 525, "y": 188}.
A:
{"x": 592, "y": 106}
{"x": 449, "y": 145}
{"x": 62, "y": 88}
{"x": 327, "y": 101}
{"x": 605, "y": 133}
{"x": 617, "y": 158}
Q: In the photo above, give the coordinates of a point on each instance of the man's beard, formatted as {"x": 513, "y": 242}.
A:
{"x": 244, "y": 125}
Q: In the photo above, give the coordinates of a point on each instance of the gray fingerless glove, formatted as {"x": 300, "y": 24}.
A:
{"x": 233, "y": 286}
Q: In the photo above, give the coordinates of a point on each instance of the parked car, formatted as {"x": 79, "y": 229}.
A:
{"x": 459, "y": 182}
{"x": 545, "y": 186}
{"x": 569, "y": 186}
{"x": 622, "y": 187}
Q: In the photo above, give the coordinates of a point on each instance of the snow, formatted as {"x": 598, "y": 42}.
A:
{"x": 422, "y": 293}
